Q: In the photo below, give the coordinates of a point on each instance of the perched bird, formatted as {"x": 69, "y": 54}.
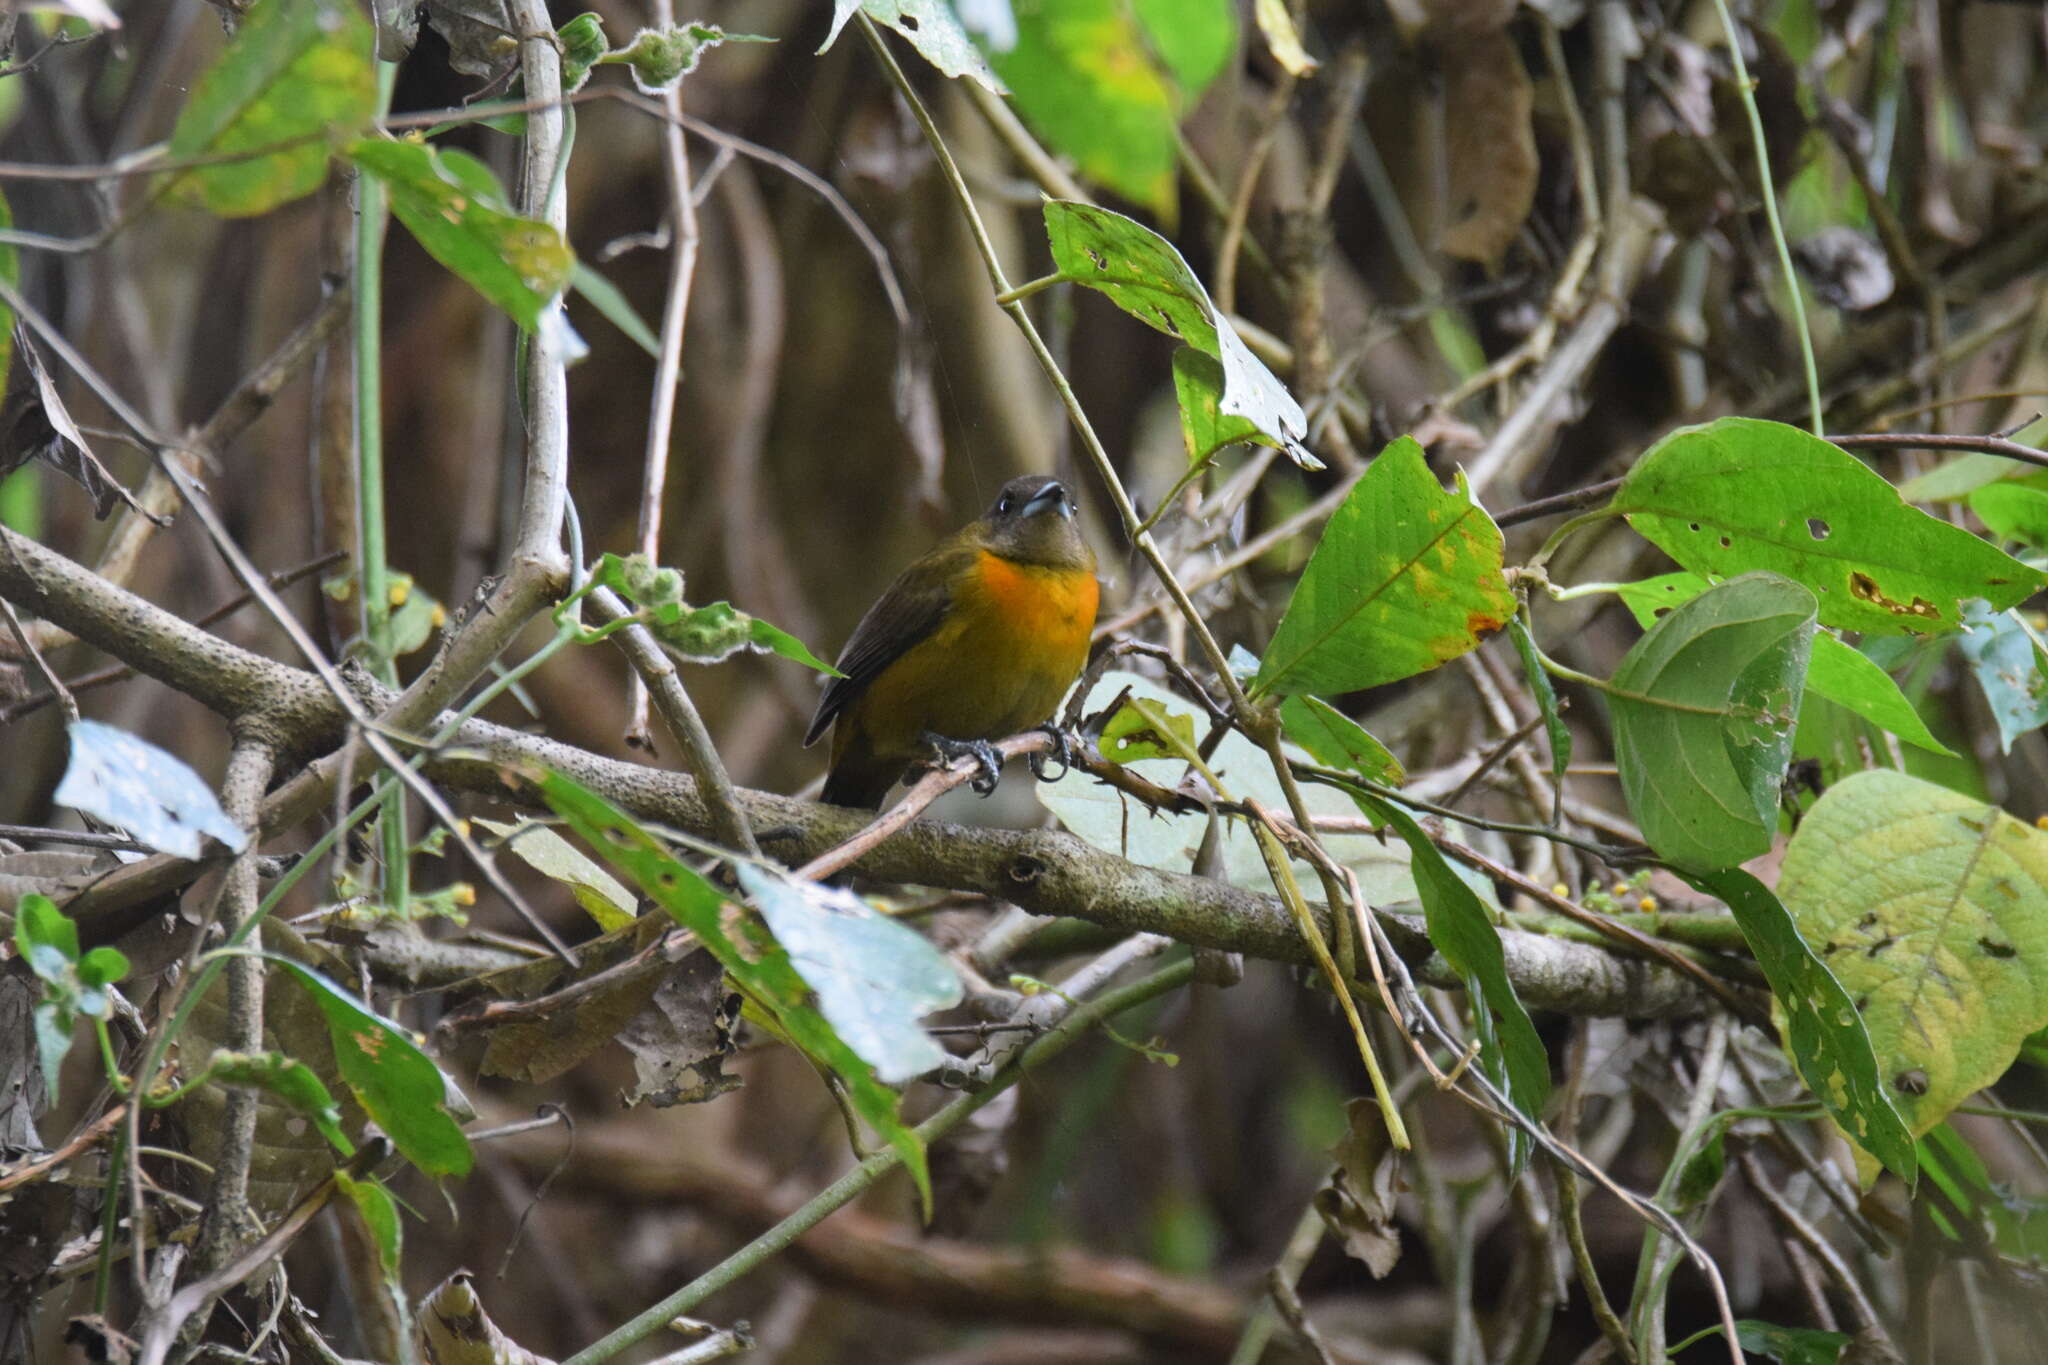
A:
{"x": 977, "y": 640}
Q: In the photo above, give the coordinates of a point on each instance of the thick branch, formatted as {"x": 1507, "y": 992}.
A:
{"x": 1048, "y": 873}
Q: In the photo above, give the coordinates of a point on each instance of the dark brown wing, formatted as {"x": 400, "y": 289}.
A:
{"x": 909, "y": 611}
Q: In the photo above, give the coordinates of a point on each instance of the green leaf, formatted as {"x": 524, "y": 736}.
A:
{"x": 583, "y": 45}
{"x": 46, "y": 937}
{"x": 930, "y": 26}
{"x": 452, "y": 203}
{"x": 399, "y": 1086}
{"x": 1335, "y": 740}
{"x": 1088, "y": 77}
{"x": 1740, "y": 494}
{"x": 2015, "y": 509}
{"x": 1198, "y": 387}
{"x": 1145, "y": 276}
{"x": 1791, "y": 1345}
{"x": 1704, "y": 706}
{"x": 291, "y": 1081}
{"x": 605, "y": 297}
{"x": 380, "y": 1215}
{"x": 1838, "y": 670}
{"x": 1406, "y": 577}
{"x": 2008, "y": 668}
{"x": 102, "y": 967}
{"x": 875, "y": 979}
{"x": 1818, "y": 1020}
{"x": 1555, "y": 730}
{"x": 660, "y": 57}
{"x": 555, "y": 858}
{"x": 1459, "y": 926}
{"x": 1955, "y": 480}
{"x": 708, "y": 634}
{"x": 295, "y": 70}
{"x": 1140, "y": 730}
{"x": 1701, "y": 1174}
{"x": 761, "y": 967}
{"x": 1932, "y": 910}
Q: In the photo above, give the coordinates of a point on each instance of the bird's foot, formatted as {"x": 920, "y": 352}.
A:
{"x": 1062, "y": 753}
{"x": 981, "y": 751}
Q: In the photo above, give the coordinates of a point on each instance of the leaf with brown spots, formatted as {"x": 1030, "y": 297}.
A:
{"x": 1932, "y": 910}
{"x": 1406, "y": 577}
{"x": 1741, "y": 494}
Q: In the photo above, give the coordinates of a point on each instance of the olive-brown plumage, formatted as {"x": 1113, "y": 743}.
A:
{"x": 977, "y": 640}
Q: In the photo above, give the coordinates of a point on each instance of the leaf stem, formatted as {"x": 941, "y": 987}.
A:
{"x": 1027, "y": 289}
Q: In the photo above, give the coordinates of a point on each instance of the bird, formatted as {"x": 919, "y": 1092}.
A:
{"x": 976, "y": 640}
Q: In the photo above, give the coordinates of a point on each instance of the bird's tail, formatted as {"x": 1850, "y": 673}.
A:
{"x": 863, "y": 786}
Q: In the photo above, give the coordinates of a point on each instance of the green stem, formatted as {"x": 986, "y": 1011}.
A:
{"x": 1028, "y": 288}
{"x": 119, "y": 1086}
{"x": 843, "y": 1190}
{"x": 1747, "y": 87}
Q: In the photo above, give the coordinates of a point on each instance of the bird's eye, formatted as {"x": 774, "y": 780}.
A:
{"x": 1003, "y": 504}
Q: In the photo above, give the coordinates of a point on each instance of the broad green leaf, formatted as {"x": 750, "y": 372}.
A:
{"x": 1554, "y": 729}
{"x": 380, "y": 1215}
{"x": 1791, "y": 1345}
{"x": 1108, "y": 819}
{"x": 1740, "y": 494}
{"x": 875, "y": 979}
{"x": 1098, "y": 81}
{"x": 555, "y": 858}
{"x": 1198, "y": 387}
{"x": 1145, "y": 276}
{"x": 930, "y": 26}
{"x": 452, "y": 203}
{"x": 1704, "y": 707}
{"x": 1406, "y": 577}
{"x": 1955, "y": 480}
{"x": 399, "y": 1086}
{"x": 296, "y": 69}
{"x": 1460, "y": 928}
{"x": 1335, "y": 740}
{"x": 291, "y": 1081}
{"x": 1932, "y": 910}
{"x": 1141, "y": 729}
{"x": 753, "y": 959}
{"x": 1838, "y": 671}
{"x": 1822, "y": 1031}
{"x": 46, "y": 938}
{"x": 2015, "y": 509}
{"x": 131, "y": 783}
{"x": 709, "y": 634}
{"x": 2008, "y": 668}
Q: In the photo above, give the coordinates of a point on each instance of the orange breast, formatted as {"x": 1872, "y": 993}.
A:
{"x": 1056, "y": 605}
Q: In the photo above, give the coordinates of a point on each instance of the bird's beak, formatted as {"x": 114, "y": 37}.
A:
{"x": 1051, "y": 498}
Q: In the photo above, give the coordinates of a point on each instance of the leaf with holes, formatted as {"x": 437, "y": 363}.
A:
{"x": 454, "y": 205}
{"x": 1838, "y": 670}
{"x": 1145, "y": 276}
{"x": 1335, "y": 740}
{"x": 1823, "y": 1033}
{"x": 133, "y": 784}
{"x": 1106, "y": 83}
{"x": 1704, "y": 707}
{"x": 930, "y": 26}
{"x": 399, "y": 1086}
{"x": 2007, "y": 665}
{"x": 1932, "y": 911}
{"x": 1406, "y": 577}
{"x": 875, "y": 978}
{"x": 295, "y": 70}
{"x": 1198, "y": 388}
{"x": 749, "y": 954}
{"x": 1741, "y": 494}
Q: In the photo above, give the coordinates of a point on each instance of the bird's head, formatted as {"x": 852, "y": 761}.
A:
{"x": 1032, "y": 521}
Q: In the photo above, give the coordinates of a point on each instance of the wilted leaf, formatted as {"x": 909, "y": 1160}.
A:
{"x": 37, "y": 426}
{"x": 458, "y": 1331}
{"x": 2007, "y": 665}
{"x": 1704, "y": 707}
{"x": 1932, "y": 910}
{"x": 295, "y": 70}
{"x": 128, "y": 782}
{"x": 482, "y": 38}
{"x": 1491, "y": 163}
{"x": 1281, "y": 40}
{"x": 1358, "y": 1204}
{"x": 1740, "y": 494}
{"x": 1145, "y": 276}
{"x": 875, "y": 979}
{"x": 1198, "y": 388}
{"x": 681, "y": 1039}
{"x": 555, "y": 858}
{"x": 930, "y": 26}
{"x": 1405, "y": 577}
{"x": 1823, "y": 1032}
{"x": 453, "y": 204}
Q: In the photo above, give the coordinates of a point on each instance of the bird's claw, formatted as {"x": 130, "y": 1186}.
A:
{"x": 1062, "y": 753}
{"x": 988, "y": 762}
